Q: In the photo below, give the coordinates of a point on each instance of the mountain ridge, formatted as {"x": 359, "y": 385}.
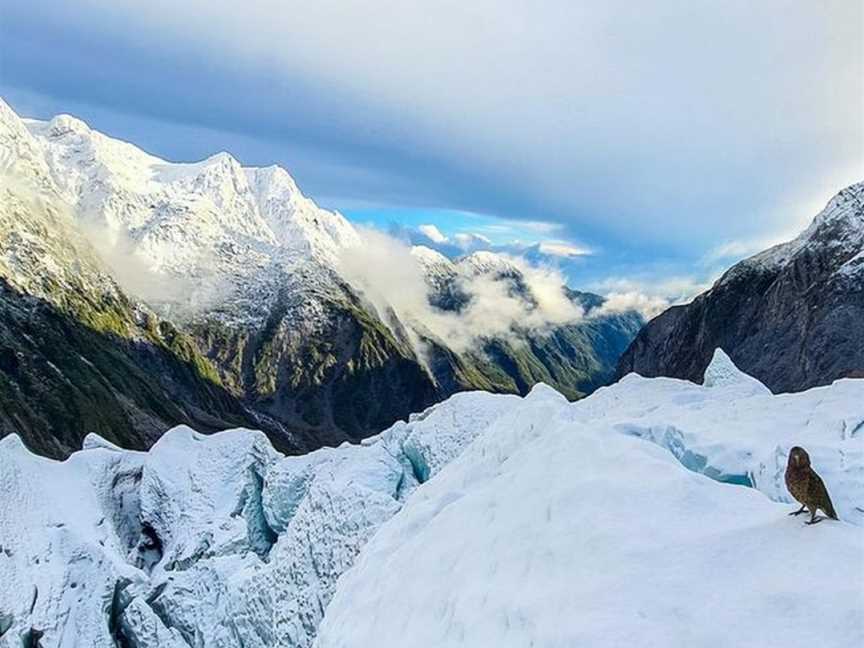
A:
{"x": 249, "y": 274}
{"x": 790, "y": 315}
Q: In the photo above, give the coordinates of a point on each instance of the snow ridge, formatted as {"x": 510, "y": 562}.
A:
{"x": 840, "y": 226}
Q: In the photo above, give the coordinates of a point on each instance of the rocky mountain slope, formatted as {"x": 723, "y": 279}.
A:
{"x": 247, "y": 277}
{"x": 576, "y": 357}
{"x": 486, "y": 520}
{"x": 791, "y": 316}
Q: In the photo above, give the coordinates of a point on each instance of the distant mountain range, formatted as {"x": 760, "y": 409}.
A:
{"x": 792, "y": 316}
{"x": 136, "y": 294}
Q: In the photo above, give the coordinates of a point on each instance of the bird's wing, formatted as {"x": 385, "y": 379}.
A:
{"x": 819, "y": 495}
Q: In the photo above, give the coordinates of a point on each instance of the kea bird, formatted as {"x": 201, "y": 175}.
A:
{"x": 807, "y": 487}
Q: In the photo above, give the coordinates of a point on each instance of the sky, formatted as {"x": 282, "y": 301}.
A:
{"x": 644, "y": 148}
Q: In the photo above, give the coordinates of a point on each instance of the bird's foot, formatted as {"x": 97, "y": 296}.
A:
{"x": 799, "y": 512}
{"x": 814, "y": 520}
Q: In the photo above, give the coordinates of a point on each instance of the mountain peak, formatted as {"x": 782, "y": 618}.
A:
{"x": 846, "y": 210}
{"x": 792, "y": 313}
{"x": 839, "y": 227}
{"x": 485, "y": 262}
{"x": 64, "y": 124}
{"x": 427, "y": 256}
{"x": 222, "y": 158}
{"x": 6, "y": 113}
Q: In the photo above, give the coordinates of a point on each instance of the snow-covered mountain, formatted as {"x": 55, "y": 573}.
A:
{"x": 252, "y": 274}
{"x": 652, "y": 511}
{"x": 76, "y": 354}
{"x": 214, "y": 223}
{"x": 790, "y": 315}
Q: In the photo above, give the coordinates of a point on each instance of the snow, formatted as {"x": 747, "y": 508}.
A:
{"x": 484, "y": 262}
{"x": 735, "y": 430}
{"x": 722, "y": 373}
{"x": 484, "y": 520}
{"x": 426, "y": 256}
{"x": 204, "y": 540}
{"x": 840, "y": 226}
{"x": 213, "y": 226}
{"x": 555, "y": 529}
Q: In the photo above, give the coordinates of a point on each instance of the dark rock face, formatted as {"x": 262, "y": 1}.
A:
{"x": 357, "y": 375}
{"x": 792, "y": 316}
{"x": 350, "y": 379}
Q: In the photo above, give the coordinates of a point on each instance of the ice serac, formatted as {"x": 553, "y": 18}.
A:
{"x": 722, "y": 372}
{"x": 213, "y": 540}
{"x": 734, "y": 430}
{"x": 555, "y": 529}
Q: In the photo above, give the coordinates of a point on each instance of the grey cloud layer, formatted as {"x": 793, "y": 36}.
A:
{"x": 685, "y": 125}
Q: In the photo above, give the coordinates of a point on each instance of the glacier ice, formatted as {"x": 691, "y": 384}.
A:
{"x": 205, "y": 540}
{"x": 484, "y": 520}
{"x": 554, "y": 529}
{"x": 722, "y": 372}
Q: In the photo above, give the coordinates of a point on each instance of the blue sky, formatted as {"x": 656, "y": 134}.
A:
{"x": 668, "y": 141}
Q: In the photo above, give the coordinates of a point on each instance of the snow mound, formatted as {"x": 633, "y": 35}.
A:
{"x": 722, "y": 372}
{"x": 555, "y": 531}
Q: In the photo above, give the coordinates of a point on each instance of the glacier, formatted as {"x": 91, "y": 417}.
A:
{"x": 204, "y": 540}
{"x": 650, "y": 513}
{"x": 555, "y": 529}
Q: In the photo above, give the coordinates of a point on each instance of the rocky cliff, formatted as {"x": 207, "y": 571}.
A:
{"x": 792, "y": 316}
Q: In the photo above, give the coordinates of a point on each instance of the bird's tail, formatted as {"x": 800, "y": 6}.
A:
{"x": 829, "y": 510}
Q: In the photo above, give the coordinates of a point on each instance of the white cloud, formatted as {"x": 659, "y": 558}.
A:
{"x": 562, "y": 249}
{"x": 386, "y": 272}
{"x": 648, "y": 306}
{"x": 471, "y": 240}
{"x": 433, "y": 233}
{"x": 650, "y": 297}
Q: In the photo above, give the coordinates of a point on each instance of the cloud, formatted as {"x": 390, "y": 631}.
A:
{"x": 562, "y": 249}
{"x": 648, "y": 297}
{"x": 470, "y": 241}
{"x": 676, "y": 125}
{"x": 178, "y": 296}
{"x": 646, "y": 305}
{"x": 390, "y": 277}
{"x": 433, "y": 233}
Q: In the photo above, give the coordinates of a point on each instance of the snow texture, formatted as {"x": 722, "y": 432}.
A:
{"x": 486, "y": 520}
{"x": 554, "y": 529}
{"x": 204, "y": 540}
